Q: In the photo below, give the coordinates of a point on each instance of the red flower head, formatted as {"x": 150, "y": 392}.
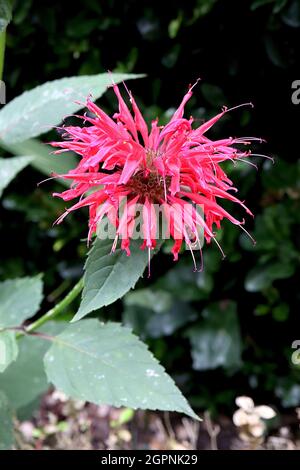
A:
{"x": 174, "y": 166}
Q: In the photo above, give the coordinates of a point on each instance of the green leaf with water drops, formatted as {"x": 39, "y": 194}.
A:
{"x": 38, "y": 110}
{"x": 42, "y": 158}
{"x": 107, "y": 364}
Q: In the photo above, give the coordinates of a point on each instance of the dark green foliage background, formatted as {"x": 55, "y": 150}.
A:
{"x": 243, "y": 51}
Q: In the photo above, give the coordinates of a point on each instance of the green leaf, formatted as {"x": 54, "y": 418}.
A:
{"x": 275, "y": 52}
{"x": 282, "y": 175}
{"x": 37, "y": 111}
{"x": 174, "y": 26}
{"x": 261, "y": 309}
{"x": 41, "y": 159}
{"x": 5, "y": 14}
{"x": 281, "y": 312}
{"x": 146, "y": 323}
{"x": 108, "y": 364}
{"x": 291, "y": 16}
{"x": 183, "y": 283}
{"x": 9, "y": 168}
{"x": 19, "y": 299}
{"x": 289, "y": 395}
{"x": 259, "y": 3}
{"x": 25, "y": 413}
{"x": 157, "y": 300}
{"x": 213, "y": 94}
{"x": 6, "y": 423}
{"x": 25, "y": 379}
{"x": 216, "y": 342}
{"x": 108, "y": 276}
{"x": 262, "y": 277}
{"x": 125, "y": 417}
{"x": 271, "y": 236}
{"x": 8, "y": 349}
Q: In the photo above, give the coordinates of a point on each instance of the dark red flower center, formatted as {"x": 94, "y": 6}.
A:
{"x": 151, "y": 186}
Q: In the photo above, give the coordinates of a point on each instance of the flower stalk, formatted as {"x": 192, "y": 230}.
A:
{"x": 2, "y": 51}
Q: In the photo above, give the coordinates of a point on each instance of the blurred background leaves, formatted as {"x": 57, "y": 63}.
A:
{"x": 228, "y": 330}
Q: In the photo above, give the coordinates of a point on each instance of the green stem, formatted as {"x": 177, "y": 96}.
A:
{"x": 2, "y": 50}
{"x": 53, "y": 312}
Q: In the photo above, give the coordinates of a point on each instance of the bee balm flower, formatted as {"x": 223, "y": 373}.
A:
{"x": 173, "y": 166}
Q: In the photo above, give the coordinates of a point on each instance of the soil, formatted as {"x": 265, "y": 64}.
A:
{"x": 66, "y": 424}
